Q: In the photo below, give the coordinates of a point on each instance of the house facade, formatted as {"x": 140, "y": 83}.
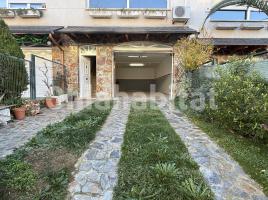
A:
{"x": 117, "y": 46}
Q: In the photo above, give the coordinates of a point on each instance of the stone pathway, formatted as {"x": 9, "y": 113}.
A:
{"x": 18, "y": 133}
{"x": 96, "y": 171}
{"x": 226, "y": 178}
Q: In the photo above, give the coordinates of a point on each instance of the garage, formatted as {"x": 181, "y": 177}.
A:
{"x": 147, "y": 72}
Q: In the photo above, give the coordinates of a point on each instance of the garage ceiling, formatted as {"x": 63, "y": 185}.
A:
{"x": 149, "y": 59}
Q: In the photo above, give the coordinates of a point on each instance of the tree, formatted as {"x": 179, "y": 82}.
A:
{"x": 13, "y": 74}
{"x": 258, "y": 4}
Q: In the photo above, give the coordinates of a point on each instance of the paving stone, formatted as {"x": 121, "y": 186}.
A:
{"x": 224, "y": 175}
{"x": 98, "y": 166}
{"x": 17, "y": 133}
{"x": 108, "y": 195}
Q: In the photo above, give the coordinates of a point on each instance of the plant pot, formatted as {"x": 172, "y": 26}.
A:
{"x": 54, "y": 100}
{"x": 20, "y": 113}
{"x": 50, "y": 103}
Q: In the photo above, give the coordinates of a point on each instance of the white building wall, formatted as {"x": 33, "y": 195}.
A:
{"x": 75, "y": 13}
{"x": 41, "y": 89}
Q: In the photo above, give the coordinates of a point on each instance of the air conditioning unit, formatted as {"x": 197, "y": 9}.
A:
{"x": 181, "y": 13}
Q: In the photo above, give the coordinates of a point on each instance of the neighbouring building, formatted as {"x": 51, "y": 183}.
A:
{"x": 128, "y": 45}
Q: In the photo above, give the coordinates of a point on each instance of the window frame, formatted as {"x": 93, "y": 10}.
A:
{"x": 247, "y": 18}
{"x": 229, "y": 20}
{"x": 8, "y": 2}
{"x": 128, "y": 7}
{"x": 250, "y": 15}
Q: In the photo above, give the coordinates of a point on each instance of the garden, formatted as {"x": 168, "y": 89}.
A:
{"x": 41, "y": 169}
{"x": 15, "y": 81}
{"x": 230, "y": 103}
{"x": 155, "y": 163}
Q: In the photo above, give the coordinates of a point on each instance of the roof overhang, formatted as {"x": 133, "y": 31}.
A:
{"x": 34, "y": 29}
{"x": 239, "y": 41}
{"x": 127, "y": 30}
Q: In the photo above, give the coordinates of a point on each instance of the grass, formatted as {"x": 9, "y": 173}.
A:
{"x": 42, "y": 168}
{"x": 155, "y": 163}
{"x": 251, "y": 154}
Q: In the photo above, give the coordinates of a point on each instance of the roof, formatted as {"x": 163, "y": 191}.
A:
{"x": 34, "y": 29}
{"x": 240, "y": 41}
{"x": 127, "y": 30}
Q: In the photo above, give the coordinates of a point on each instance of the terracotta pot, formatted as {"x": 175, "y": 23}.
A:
{"x": 50, "y": 103}
{"x": 20, "y": 113}
{"x": 54, "y": 100}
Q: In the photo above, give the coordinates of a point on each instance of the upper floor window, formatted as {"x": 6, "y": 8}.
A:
{"x": 138, "y": 4}
{"x": 229, "y": 15}
{"x": 3, "y": 3}
{"x": 107, "y": 3}
{"x": 239, "y": 15}
{"x": 148, "y": 3}
{"x": 26, "y": 5}
{"x": 18, "y": 5}
{"x": 258, "y": 16}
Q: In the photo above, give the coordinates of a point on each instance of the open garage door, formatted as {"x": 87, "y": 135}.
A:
{"x": 147, "y": 72}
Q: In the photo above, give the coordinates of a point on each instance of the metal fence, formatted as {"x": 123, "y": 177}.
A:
{"x": 37, "y": 77}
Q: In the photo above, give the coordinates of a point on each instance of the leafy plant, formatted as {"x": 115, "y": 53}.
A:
{"x": 195, "y": 191}
{"x": 36, "y": 40}
{"x": 193, "y": 53}
{"x": 242, "y": 99}
{"x": 259, "y": 4}
{"x": 57, "y": 182}
{"x": 165, "y": 172}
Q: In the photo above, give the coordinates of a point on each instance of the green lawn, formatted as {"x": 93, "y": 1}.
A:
{"x": 155, "y": 163}
{"x": 252, "y": 155}
{"x": 42, "y": 168}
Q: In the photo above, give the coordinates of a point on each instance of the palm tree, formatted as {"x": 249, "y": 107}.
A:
{"x": 259, "y": 4}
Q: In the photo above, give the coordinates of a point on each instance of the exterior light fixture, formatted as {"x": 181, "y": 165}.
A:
{"x": 136, "y": 64}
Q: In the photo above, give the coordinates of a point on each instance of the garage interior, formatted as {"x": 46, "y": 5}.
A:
{"x": 143, "y": 72}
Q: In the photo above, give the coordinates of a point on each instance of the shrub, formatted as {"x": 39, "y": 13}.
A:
{"x": 13, "y": 74}
{"x": 241, "y": 99}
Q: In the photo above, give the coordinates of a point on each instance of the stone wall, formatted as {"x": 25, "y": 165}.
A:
{"x": 104, "y": 65}
{"x": 177, "y": 73}
{"x": 70, "y": 58}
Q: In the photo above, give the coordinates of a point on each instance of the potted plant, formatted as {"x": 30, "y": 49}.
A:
{"x": 50, "y": 101}
{"x": 29, "y": 13}
{"x": 32, "y": 107}
{"x": 101, "y": 13}
{"x": 127, "y": 14}
{"x": 155, "y": 14}
{"x": 6, "y": 13}
{"x": 19, "y": 110}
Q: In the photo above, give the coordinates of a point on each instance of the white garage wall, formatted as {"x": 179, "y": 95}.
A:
{"x": 163, "y": 75}
{"x": 41, "y": 89}
{"x": 135, "y": 73}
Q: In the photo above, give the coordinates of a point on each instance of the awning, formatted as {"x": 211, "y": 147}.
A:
{"x": 34, "y": 29}
{"x": 127, "y": 30}
{"x": 239, "y": 41}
